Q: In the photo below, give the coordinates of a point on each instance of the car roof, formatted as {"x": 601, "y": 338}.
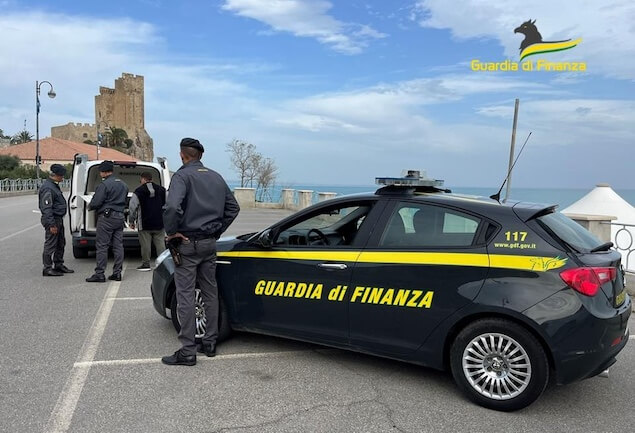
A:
{"x": 479, "y": 204}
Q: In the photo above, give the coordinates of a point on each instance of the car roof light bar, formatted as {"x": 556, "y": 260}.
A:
{"x": 410, "y": 178}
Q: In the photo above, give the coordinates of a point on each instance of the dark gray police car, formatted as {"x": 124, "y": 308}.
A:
{"x": 506, "y": 296}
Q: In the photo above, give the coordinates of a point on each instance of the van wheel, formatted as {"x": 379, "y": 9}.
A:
{"x": 80, "y": 253}
{"x": 499, "y": 365}
{"x": 224, "y": 330}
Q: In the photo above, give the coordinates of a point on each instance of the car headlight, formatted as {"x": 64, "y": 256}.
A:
{"x": 164, "y": 255}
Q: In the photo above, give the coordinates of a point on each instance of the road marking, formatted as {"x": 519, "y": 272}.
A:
{"x": 131, "y": 298}
{"x": 199, "y": 358}
{"x": 631, "y": 337}
{"x": 20, "y": 232}
{"x": 60, "y": 419}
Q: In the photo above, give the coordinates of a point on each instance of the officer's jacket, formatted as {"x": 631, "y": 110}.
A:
{"x": 52, "y": 203}
{"x": 110, "y": 194}
{"x": 199, "y": 202}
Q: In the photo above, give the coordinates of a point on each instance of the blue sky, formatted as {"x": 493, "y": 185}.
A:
{"x": 338, "y": 92}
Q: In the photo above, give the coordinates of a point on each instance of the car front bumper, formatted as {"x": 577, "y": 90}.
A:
{"x": 162, "y": 287}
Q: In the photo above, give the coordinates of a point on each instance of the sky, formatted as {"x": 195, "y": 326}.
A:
{"x": 340, "y": 92}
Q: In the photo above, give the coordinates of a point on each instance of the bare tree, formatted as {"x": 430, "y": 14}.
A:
{"x": 266, "y": 174}
{"x": 241, "y": 155}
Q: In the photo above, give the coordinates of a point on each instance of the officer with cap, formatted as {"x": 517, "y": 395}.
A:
{"x": 109, "y": 203}
{"x": 199, "y": 208}
{"x": 53, "y": 209}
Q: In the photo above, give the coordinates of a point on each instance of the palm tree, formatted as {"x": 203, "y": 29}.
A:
{"x": 22, "y": 137}
{"x": 116, "y": 136}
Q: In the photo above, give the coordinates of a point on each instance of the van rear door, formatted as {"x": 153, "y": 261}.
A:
{"x": 78, "y": 183}
{"x": 165, "y": 172}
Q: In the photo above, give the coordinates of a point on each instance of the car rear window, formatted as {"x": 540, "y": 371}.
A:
{"x": 569, "y": 231}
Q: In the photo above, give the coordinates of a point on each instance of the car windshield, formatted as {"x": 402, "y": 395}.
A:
{"x": 570, "y": 232}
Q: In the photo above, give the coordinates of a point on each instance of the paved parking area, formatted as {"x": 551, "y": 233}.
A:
{"x": 86, "y": 358}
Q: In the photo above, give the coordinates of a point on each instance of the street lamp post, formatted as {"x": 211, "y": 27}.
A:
{"x": 51, "y": 94}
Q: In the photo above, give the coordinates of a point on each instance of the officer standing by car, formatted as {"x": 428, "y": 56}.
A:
{"x": 199, "y": 208}
{"x": 53, "y": 209}
{"x": 109, "y": 203}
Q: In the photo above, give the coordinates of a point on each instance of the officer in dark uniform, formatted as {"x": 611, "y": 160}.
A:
{"x": 199, "y": 208}
{"x": 53, "y": 208}
{"x": 109, "y": 203}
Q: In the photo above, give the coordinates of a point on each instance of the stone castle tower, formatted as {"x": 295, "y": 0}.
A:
{"x": 121, "y": 107}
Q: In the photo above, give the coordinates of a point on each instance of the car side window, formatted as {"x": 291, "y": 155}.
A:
{"x": 423, "y": 225}
{"x": 333, "y": 226}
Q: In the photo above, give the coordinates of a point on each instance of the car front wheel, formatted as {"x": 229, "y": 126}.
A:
{"x": 224, "y": 330}
{"x": 499, "y": 365}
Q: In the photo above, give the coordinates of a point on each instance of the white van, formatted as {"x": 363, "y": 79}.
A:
{"x": 83, "y": 183}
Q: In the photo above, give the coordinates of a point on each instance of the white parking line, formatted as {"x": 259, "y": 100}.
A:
{"x": 60, "y": 419}
{"x": 631, "y": 337}
{"x": 20, "y": 232}
{"x": 199, "y": 358}
{"x": 132, "y": 298}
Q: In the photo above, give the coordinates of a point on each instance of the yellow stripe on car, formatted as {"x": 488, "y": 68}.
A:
{"x": 529, "y": 263}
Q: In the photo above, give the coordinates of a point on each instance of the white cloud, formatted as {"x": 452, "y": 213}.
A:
{"x": 307, "y": 18}
{"x": 606, "y": 27}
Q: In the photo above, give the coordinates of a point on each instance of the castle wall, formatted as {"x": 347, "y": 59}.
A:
{"x": 123, "y": 107}
{"x": 78, "y": 132}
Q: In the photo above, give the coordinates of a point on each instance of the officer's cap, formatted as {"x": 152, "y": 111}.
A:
{"x": 58, "y": 169}
{"x": 106, "y": 166}
{"x": 194, "y": 143}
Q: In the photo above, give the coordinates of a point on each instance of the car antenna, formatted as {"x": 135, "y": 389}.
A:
{"x": 497, "y": 196}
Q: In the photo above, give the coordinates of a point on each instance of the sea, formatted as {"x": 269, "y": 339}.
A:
{"x": 563, "y": 197}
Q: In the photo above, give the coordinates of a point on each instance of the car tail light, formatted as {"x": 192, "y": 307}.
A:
{"x": 588, "y": 280}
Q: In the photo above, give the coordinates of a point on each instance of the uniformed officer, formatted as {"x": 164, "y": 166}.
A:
{"x": 199, "y": 208}
{"x": 53, "y": 208}
{"x": 109, "y": 203}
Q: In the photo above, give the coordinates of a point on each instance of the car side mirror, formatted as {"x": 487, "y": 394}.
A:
{"x": 265, "y": 239}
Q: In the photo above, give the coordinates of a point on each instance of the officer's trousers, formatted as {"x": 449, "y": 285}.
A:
{"x": 109, "y": 232}
{"x": 54, "y": 245}
{"x": 146, "y": 238}
{"x": 198, "y": 270}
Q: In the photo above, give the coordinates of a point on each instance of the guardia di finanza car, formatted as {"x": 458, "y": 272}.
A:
{"x": 504, "y": 295}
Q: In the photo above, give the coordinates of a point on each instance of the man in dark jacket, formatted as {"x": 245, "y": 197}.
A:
{"x": 109, "y": 203}
{"x": 146, "y": 213}
{"x": 199, "y": 208}
{"x": 53, "y": 209}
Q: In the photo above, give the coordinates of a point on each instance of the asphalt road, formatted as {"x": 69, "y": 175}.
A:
{"x": 86, "y": 358}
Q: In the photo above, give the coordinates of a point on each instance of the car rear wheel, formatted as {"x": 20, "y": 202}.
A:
{"x": 224, "y": 330}
{"x": 499, "y": 365}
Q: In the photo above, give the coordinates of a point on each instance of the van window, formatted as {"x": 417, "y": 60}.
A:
{"x": 129, "y": 175}
{"x": 570, "y": 231}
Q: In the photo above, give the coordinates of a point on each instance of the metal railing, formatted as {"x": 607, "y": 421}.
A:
{"x": 624, "y": 242}
{"x": 26, "y": 185}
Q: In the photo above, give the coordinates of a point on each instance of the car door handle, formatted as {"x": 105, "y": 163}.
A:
{"x": 223, "y": 262}
{"x": 339, "y": 266}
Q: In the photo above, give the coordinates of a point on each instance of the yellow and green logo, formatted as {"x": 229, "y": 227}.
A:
{"x": 533, "y": 43}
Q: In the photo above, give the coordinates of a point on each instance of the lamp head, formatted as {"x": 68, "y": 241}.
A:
{"x": 52, "y": 93}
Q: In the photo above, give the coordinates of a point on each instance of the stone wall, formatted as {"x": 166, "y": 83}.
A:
{"x": 77, "y": 132}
